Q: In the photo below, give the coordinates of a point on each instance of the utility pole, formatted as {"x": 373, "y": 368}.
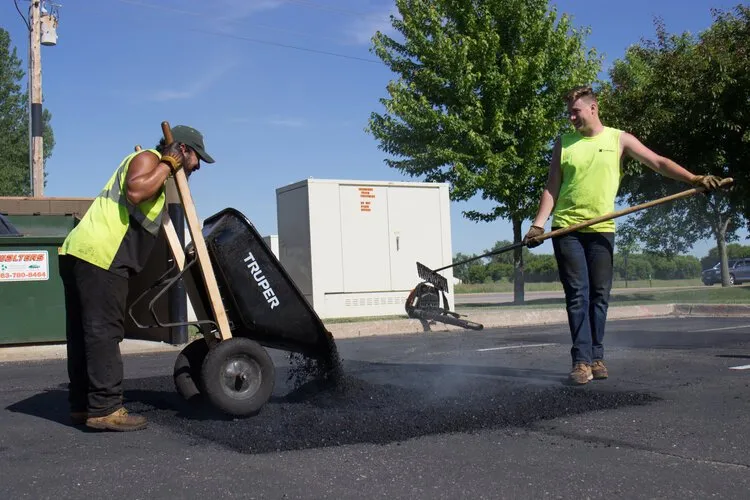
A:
{"x": 36, "y": 145}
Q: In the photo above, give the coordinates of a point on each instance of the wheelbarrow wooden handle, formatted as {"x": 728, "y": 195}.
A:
{"x": 167, "y": 131}
{"x": 170, "y": 232}
{"x": 204, "y": 262}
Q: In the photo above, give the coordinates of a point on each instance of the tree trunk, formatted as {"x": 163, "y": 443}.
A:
{"x": 721, "y": 246}
{"x": 518, "y": 280}
{"x": 720, "y": 226}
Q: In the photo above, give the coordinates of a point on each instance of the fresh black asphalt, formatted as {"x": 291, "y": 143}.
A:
{"x": 464, "y": 415}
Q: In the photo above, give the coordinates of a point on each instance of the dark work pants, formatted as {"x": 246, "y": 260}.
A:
{"x": 585, "y": 265}
{"x": 95, "y": 302}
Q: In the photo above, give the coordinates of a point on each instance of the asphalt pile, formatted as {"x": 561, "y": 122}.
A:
{"x": 319, "y": 414}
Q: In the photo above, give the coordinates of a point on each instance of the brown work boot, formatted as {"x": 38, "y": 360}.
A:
{"x": 118, "y": 420}
{"x": 599, "y": 370}
{"x": 581, "y": 374}
{"x": 78, "y": 417}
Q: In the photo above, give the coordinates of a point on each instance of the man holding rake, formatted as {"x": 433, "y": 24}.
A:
{"x": 583, "y": 181}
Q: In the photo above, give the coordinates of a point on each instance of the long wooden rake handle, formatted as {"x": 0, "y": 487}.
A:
{"x": 630, "y": 210}
{"x": 431, "y": 275}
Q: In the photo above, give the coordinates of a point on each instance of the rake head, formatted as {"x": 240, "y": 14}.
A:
{"x": 432, "y": 277}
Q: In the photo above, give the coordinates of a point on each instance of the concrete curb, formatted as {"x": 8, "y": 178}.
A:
{"x": 730, "y": 310}
{"x": 59, "y": 351}
{"x": 489, "y": 317}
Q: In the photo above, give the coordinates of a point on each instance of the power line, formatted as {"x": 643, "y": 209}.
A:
{"x": 258, "y": 40}
{"x": 199, "y": 14}
{"x": 21, "y": 14}
{"x": 276, "y": 44}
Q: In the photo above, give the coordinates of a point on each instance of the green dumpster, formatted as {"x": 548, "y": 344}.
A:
{"x": 32, "y": 300}
{"x": 32, "y": 296}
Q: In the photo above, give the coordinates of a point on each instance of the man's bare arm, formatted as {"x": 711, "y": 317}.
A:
{"x": 664, "y": 166}
{"x": 146, "y": 177}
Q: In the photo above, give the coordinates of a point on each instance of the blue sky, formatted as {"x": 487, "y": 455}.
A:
{"x": 271, "y": 114}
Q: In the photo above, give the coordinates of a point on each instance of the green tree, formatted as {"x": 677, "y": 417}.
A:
{"x": 477, "y": 102}
{"x": 500, "y": 271}
{"x": 674, "y": 267}
{"x": 477, "y": 273}
{"x": 725, "y": 94}
{"x": 626, "y": 244}
{"x": 14, "y": 125}
{"x": 635, "y": 267}
{"x": 542, "y": 268}
{"x": 686, "y": 98}
{"x": 461, "y": 271}
{"x": 506, "y": 257}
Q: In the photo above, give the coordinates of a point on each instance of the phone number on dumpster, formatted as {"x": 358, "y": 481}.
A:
{"x": 23, "y": 276}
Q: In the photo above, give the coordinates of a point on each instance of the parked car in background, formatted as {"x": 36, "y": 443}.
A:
{"x": 739, "y": 272}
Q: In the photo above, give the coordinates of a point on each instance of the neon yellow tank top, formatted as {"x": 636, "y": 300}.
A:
{"x": 115, "y": 234}
{"x": 591, "y": 175}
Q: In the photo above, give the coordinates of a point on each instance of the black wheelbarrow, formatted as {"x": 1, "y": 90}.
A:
{"x": 264, "y": 308}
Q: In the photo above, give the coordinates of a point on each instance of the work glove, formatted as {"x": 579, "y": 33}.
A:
{"x": 709, "y": 182}
{"x": 530, "y": 240}
{"x": 172, "y": 156}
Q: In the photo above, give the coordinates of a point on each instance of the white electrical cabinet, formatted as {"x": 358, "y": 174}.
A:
{"x": 352, "y": 247}
{"x": 272, "y": 241}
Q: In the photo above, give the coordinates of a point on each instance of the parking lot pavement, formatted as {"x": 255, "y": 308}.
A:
{"x": 461, "y": 415}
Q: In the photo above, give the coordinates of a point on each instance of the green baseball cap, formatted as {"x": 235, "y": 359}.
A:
{"x": 191, "y": 137}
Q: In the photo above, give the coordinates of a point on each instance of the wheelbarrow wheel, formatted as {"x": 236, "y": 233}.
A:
{"x": 238, "y": 376}
{"x": 187, "y": 369}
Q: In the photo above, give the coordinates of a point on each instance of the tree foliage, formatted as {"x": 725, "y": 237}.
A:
{"x": 14, "y": 124}
{"x": 477, "y": 102}
{"x": 629, "y": 264}
{"x": 725, "y": 91}
{"x": 461, "y": 271}
{"x": 505, "y": 257}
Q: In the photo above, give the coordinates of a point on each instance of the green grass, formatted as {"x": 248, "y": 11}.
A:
{"x": 364, "y": 318}
{"x": 505, "y": 286}
{"x": 704, "y": 295}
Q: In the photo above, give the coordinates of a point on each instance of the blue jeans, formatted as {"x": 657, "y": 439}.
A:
{"x": 585, "y": 265}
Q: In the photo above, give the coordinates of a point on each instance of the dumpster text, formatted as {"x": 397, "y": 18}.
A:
{"x": 26, "y": 265}
{"x": 263, "y": 283}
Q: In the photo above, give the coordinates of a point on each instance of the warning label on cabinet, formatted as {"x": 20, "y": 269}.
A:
{"x": 25, "y": 265}
{"x": 366, "y": 194}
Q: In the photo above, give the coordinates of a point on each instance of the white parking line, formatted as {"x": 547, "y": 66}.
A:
{"x": 512, "y": 347}
{"x": 743, "y": 367}
{"x": 719, "y": 329}
{"x": 519, "y": 346}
